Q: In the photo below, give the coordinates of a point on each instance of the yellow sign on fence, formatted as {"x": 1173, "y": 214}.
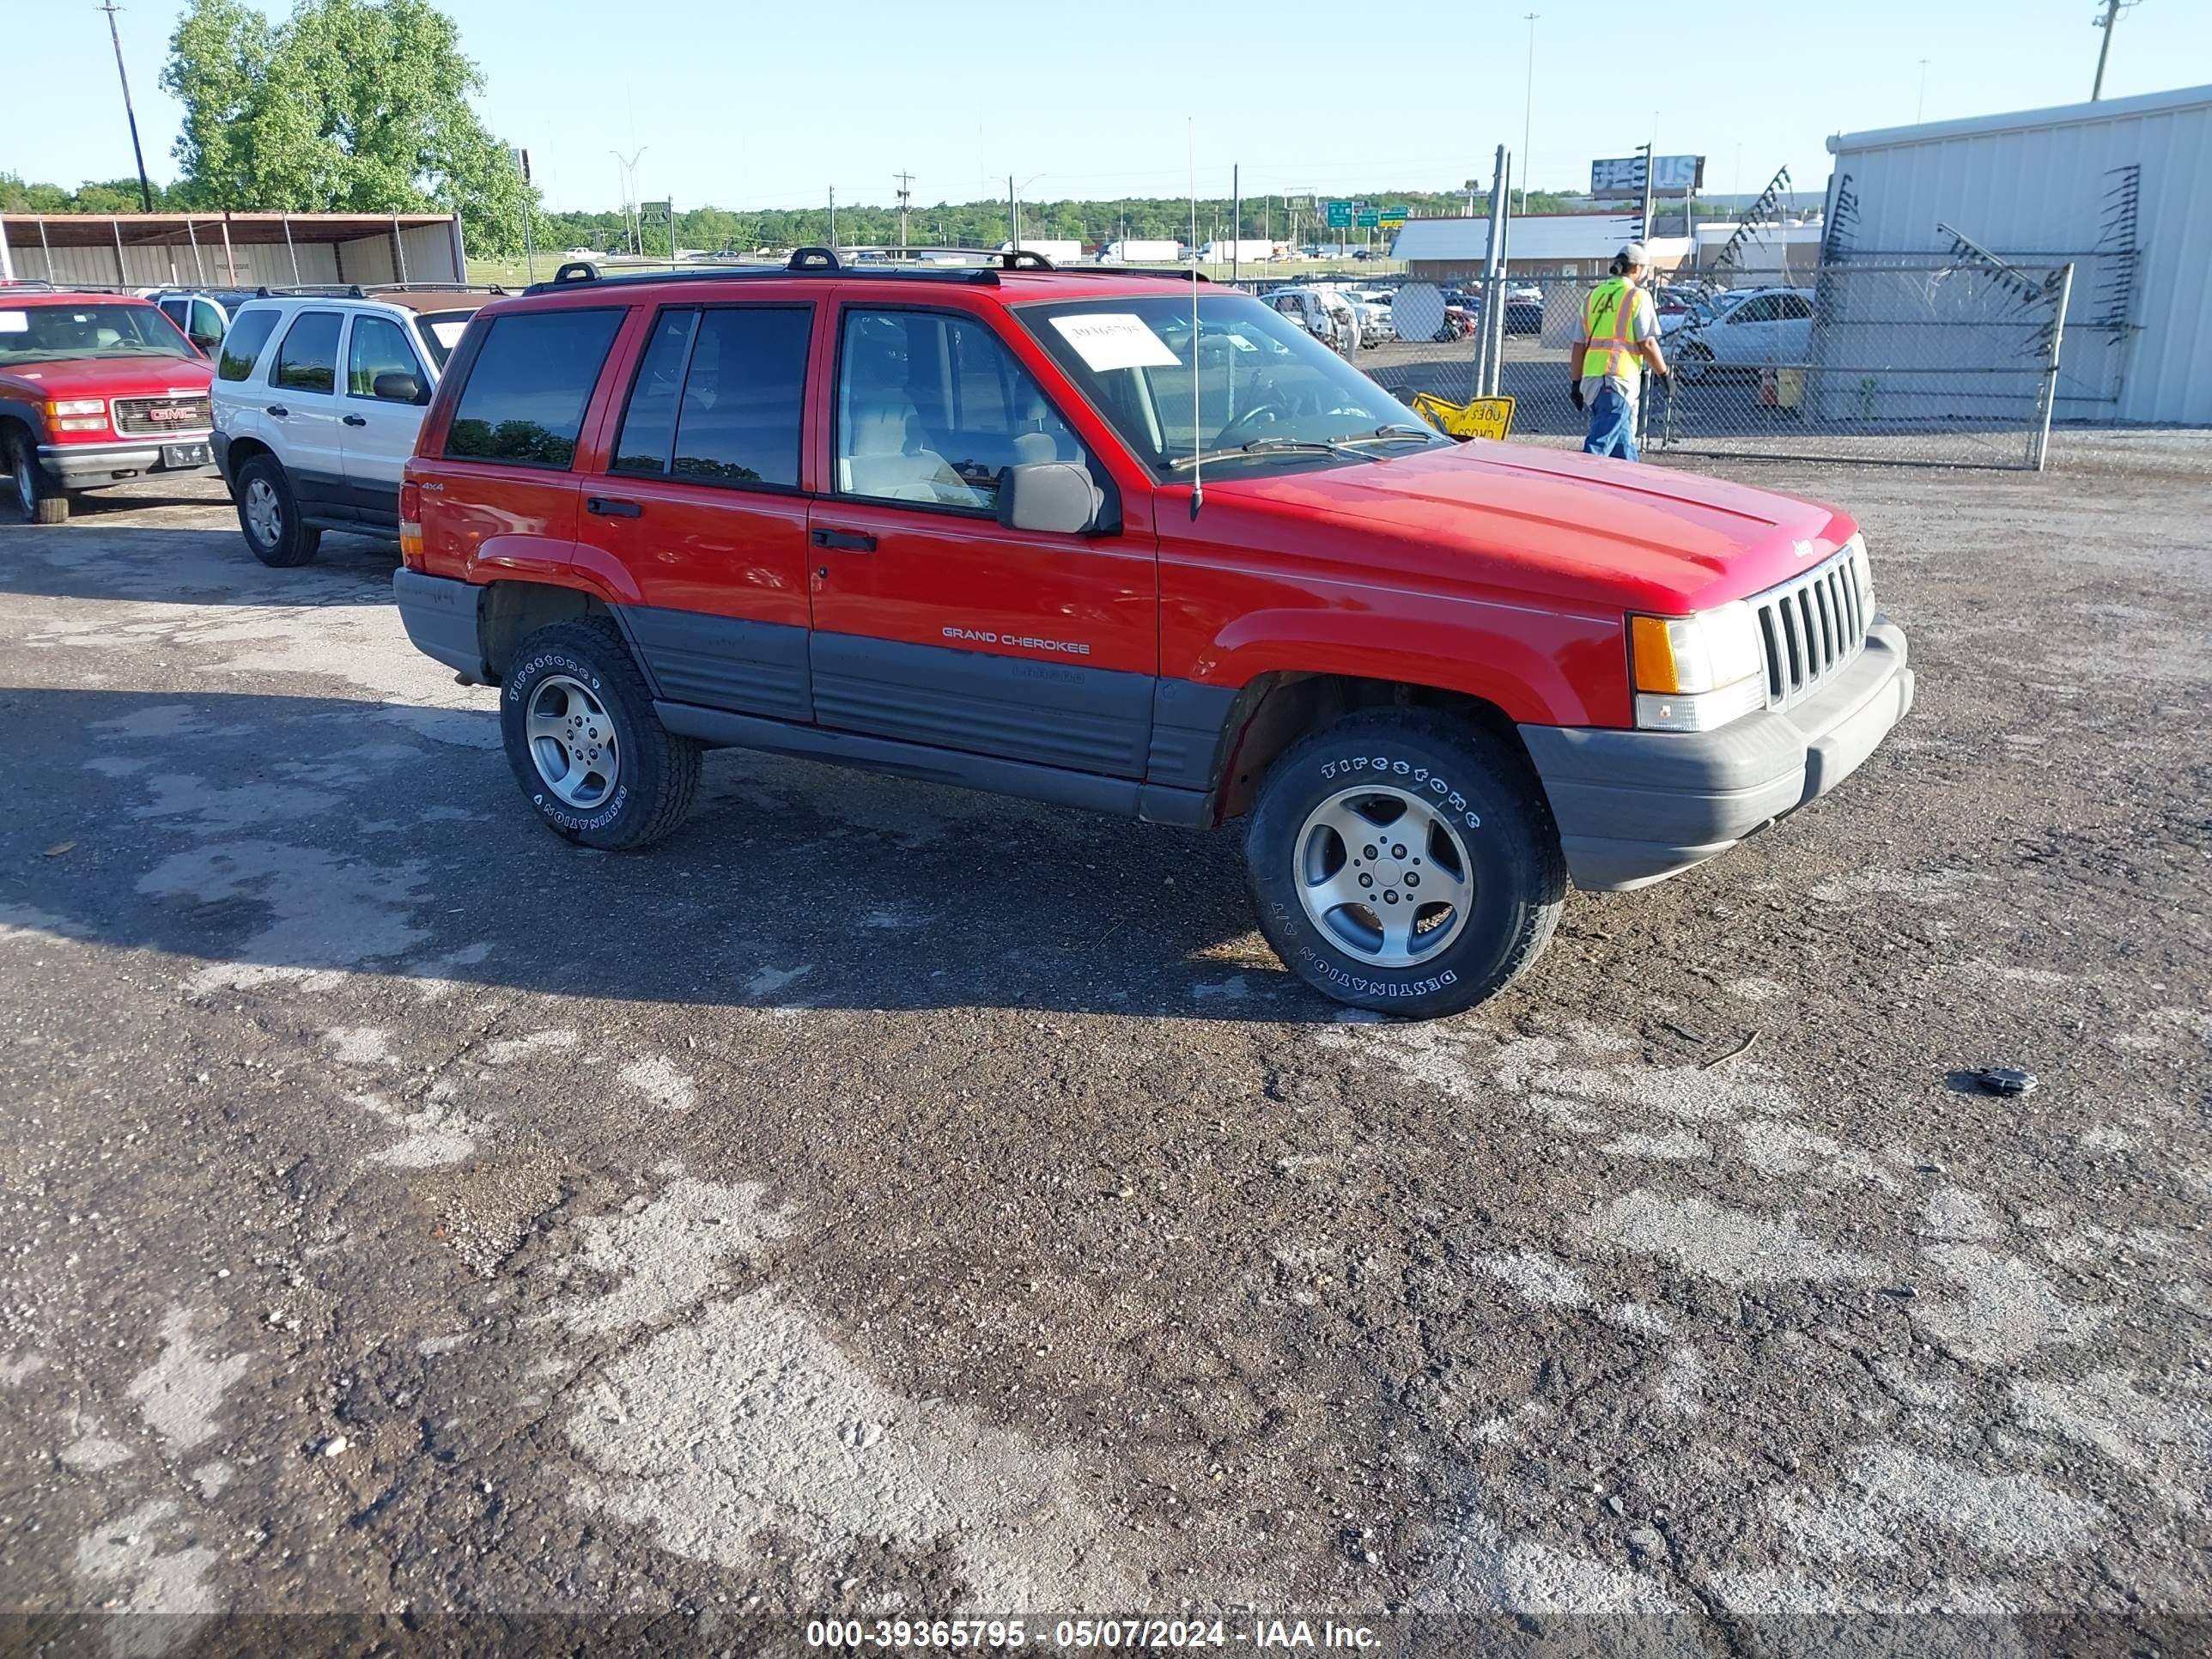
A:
{"x": 1485, "y": 417}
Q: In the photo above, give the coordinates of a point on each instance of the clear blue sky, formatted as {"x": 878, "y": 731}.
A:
{"x": 747, "y": 105}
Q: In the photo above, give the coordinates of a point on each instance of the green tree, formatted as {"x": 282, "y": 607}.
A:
{"x": 349, "y": 106}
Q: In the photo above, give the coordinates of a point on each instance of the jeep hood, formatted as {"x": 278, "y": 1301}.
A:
{"x": 1552, "y": 522}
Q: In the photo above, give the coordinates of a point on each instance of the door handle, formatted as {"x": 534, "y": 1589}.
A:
{"x": 356, "y": 420}
{"x": 278, "y": 410}
{"x": 607, "y": 507}
{"x": 853, "y": 541}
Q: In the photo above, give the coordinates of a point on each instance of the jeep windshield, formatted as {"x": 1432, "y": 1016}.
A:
{"x": 50, "y": 333}
{"x": 1268, "y": 393}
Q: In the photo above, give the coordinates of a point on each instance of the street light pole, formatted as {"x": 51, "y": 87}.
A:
{"x": 146, "y": 190}
{"x": 631, "y": 226}
{"x": 1528, "y": 107}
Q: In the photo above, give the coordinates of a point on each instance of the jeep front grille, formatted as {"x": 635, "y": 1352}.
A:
{"x": 148, "y": 417}
{"x": 1813, "y": 625}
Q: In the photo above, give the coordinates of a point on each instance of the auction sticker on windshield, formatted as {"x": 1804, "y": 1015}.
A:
{"x": 447, "y": 335}
{"x": 1116, "y": 339}
{"x": 15, "y": 322}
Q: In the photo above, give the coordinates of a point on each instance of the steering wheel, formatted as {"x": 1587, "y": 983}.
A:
{"x": 1248, "y": 426}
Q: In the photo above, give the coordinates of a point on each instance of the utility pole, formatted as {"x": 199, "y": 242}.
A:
{"x": 2112, "y": 10}
{"x": 905, "y": 180}
{"x": 1528, "y": 110}
{"x": 833, "y": 218}
{"x": 1013, "y": 218}
{"x": 1920, "y": 108}
{"x": 1236, "y": 229}
{"x": 145, "y": 190}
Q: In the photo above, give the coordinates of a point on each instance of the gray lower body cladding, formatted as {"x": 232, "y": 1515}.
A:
{"x": 1636, "y": 807}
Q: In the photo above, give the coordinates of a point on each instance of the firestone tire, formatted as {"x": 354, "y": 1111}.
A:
{"x": 1463, "y": 812}
{"x": 576, "y": 718}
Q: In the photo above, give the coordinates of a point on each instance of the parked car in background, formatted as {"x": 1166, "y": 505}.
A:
{"x": 1323, "y": 311}
{"x": 317, "y": 397}
{"x": 1701, "y": 310}
{"x": 94, "y": 389}
{"x": 203, "y": 313}
{"x": 1376, "y": 326}
{"x": 1766, "y": 327}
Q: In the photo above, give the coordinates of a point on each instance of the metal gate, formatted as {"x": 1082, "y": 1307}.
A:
{"x": 1934, "y": 360}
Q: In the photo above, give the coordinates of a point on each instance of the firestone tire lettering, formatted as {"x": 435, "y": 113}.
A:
{"x": 1519, "y": 878}
{"x": 660, "y": 775}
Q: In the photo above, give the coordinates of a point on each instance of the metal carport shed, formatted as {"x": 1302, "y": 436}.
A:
{"x": 230, "y": 250}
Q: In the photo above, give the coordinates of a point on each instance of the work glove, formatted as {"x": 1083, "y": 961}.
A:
{"x": 1666, "y": 380}
{"x": 1575, "y": 397}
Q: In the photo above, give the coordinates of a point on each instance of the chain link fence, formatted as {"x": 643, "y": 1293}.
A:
{"x": 1951, "y": 362}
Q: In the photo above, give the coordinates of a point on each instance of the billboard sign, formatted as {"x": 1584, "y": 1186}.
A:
{"x": 1671, "y": 175}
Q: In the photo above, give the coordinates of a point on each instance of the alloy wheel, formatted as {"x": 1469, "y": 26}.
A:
{"x": 1383, "y": 875}
{"x": 572, "y": 742}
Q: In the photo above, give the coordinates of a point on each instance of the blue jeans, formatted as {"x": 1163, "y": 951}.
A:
{"x": 1612, "y": 424}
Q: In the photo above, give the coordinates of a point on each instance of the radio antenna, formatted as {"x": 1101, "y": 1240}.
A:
{"x": 1197, "y": 438}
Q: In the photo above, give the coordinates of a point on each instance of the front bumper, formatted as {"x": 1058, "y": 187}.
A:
{"x": 84, "y": 466}
{"x": 1636, "y": 807}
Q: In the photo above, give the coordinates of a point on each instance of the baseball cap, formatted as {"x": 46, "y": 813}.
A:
{"x": 1634, "y": 255}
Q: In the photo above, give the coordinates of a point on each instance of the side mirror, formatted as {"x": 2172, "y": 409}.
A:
{"x": 398, "y": 386}
{"x": 1049, "y": 496}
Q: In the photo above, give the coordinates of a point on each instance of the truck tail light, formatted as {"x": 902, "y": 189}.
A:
{"x": 410, "y": 522}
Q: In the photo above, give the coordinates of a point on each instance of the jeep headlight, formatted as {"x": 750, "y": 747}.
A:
{"x": 1694, "y": 673}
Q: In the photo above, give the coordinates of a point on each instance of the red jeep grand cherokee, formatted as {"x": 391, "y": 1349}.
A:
{"x": 94, "y": 388}
{"x": 1048, "y": 533}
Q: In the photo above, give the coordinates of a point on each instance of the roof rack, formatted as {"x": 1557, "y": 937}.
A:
{"x": 30, "y": 282}
{"x": 825, "y": 262}
{"x": 369, "y": 290}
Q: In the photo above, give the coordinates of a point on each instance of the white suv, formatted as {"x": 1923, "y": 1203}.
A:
{"x": 318, "y": 395}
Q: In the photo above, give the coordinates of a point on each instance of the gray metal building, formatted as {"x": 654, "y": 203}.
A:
{"x": 2121, "y": 189}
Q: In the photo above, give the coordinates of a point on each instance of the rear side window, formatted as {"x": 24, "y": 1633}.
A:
{"x": 524, "y": 403}
{"x": 308, "y": 361}
{"x": 249, "y": 332}
{"x": 719, "y": 397}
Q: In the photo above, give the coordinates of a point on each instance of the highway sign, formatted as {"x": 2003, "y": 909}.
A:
{"x": 1393, "y": 217}
{"x": 1366, "y": 219}
{"x": 1340, "y": 215}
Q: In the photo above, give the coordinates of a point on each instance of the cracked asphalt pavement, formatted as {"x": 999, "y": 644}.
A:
{"x": 880, "y": 1200}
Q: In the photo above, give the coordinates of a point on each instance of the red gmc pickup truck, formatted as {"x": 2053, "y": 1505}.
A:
{"x": 1124, "y": 542}
{"x": 94, "y": 389}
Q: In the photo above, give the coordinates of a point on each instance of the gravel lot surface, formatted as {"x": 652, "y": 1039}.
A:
{"x": 884, "y": 1200}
